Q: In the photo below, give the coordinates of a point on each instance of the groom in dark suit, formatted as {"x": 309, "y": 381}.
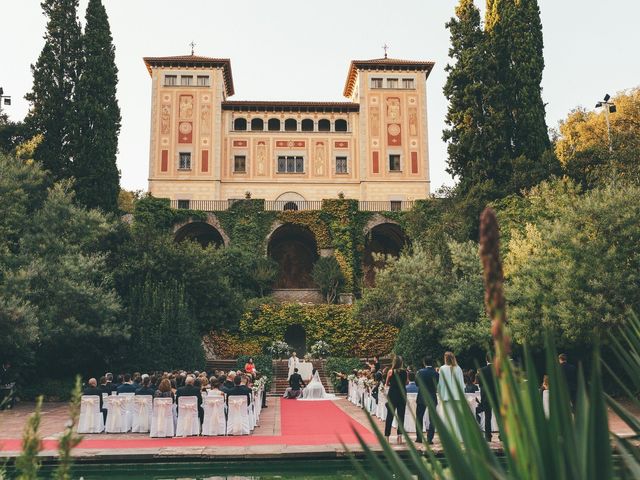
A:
{"x": 426, "y": 378}
{"x": 295, "y": 385}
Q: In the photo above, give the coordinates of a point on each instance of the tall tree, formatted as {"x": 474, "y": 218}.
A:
{"x": 55, "y": 76}
{"x": 97, "y": 176}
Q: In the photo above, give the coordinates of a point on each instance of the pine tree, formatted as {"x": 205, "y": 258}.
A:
{"x": 97, "y": 176}
{"x": 55, "y": 77}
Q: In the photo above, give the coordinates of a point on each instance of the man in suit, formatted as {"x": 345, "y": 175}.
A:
{"x": 92, "y": 389}
{"x": 487, "y": 391}
{"x": 411, "y": 386}
{"x": 228, "y": 383}
{"x": 427, "y": 379}
{"x": 571, "y": 376}
{"x": 190, "y": 390}
{"x": 127, "y": 385}
{"x": 295, "y": 385}
{"x": 145, "y": 389}
{"x": 240, "y": 388}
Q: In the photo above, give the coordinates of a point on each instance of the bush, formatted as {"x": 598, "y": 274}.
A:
{"x": 52, "y": 390}
{"x": 329, "y": 277}
{"x": 341, "y": 365}
{"x": 263, "y": 364}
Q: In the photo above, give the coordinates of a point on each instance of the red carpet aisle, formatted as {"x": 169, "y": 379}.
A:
{"x": 302, "y": 423}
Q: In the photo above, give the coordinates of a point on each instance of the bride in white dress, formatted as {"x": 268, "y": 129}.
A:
{"x": 315, "y": 390}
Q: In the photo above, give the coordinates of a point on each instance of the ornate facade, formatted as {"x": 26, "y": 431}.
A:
{"x": 205, "y": 147}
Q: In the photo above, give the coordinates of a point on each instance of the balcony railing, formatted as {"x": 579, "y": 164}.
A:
{"x": 292, "y": 205}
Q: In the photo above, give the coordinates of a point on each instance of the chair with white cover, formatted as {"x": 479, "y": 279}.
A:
{"x": 238, "y": 416}
{"x": 129, "y": 407}
{"x": 188, "y": 420}
{"x": 117, "y": 414}
{"x": 142, "y": 407}
{"x": 410, "y": 413}
{"x": 162, "y": 417}
{"x": 253, "y": 420}
{"x": 214, "y": 420}
{"x": 381, "y": 410}
{"x": 91, "y": 419}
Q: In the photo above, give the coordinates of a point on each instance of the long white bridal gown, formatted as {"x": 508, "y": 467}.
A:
{"x": 315, "y": 390}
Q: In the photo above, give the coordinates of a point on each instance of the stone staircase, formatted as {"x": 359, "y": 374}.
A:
{"x": 281, "y": 370}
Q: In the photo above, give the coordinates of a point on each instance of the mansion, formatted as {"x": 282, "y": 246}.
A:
{"x": 206, "y": 148}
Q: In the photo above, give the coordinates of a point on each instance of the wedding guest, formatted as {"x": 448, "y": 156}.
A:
{"x": 470, "y": 382}
{"x": 376, "y": 363}
{"x": 250, "y": 367}
{"x": 571, "y": 376}
{"x": 92, "y": 389}
{"x": 136, "y": 379}
{"x": 427, "y": 378}
{"x": 228, "y": 382}
{"x": 396, "y": 396}
{"x": 110, "y": 384}
{"x": 103, "y": 387}
{"x": 164, "y": 390}
{"x": 450, "y": 389}
{"x": 215, "y": 388}
{"x": 411, "y": 386}
{"x": 127, "y": 385}
{"x": 145, "y": 389}
{"x": 487, "y": 391}
{"x": 240, "y": 388}
{"x": 190, "y": 390}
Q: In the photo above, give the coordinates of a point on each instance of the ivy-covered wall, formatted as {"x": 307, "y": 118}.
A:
{"x": 333, "y": 324}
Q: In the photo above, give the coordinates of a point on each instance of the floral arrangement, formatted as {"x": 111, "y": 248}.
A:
{"x": 278, "y": 349}
{"x": 351, "y": 378}
{"x": 319, "y": 349}
{"x": 258, "y": 384}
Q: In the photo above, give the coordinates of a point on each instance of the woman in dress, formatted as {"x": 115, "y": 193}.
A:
{"x": 164, "y": 390}
{"x": 450, "y": 389}
{"x": 396, "y": 382}
{"x": 314, "y": 389}
{"x": 250, "y": 367}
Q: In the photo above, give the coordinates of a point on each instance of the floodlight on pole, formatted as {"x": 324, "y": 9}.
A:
{"x": 609, "y": 107}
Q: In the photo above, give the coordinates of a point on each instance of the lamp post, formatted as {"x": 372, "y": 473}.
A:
{"x": 609, "y": 107}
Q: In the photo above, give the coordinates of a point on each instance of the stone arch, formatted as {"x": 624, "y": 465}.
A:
{"x": 295, "y": 249}
{"x": 296, "y": 337}
{"x": 382, "y": 236}
{"x": 205, "y": 232}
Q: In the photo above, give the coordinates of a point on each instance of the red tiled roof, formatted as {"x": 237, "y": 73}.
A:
{"x": 383, "y": 64}
{"x": 194, "y": 61}
{"x": 289, "y": 105}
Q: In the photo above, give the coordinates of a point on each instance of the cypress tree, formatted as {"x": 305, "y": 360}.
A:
{"x": 55, "y": 77}
{"x": 97, "y": 176}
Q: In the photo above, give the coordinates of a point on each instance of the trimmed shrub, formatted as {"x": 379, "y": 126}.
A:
{"x": 341, "y": 365}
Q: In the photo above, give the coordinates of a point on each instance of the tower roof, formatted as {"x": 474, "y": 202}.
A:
{"x": 383, "y": 64}
{"x": 195, "y": 61}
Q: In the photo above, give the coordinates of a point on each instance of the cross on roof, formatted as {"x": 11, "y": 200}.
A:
{"x": 385, "y": 47}
{"x": 192, "y": 45}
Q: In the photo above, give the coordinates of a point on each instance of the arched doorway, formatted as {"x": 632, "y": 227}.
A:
{"x": 385, "y": 239}
{"x": 296, "y": 337}
{"x": 200, "y": 232}
{"x": 294, "y": 248}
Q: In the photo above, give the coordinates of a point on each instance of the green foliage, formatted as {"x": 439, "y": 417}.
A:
{"x": 329, "y": 277}
{"x": 341, "y": 365}
{"x": 69, "y": 438}
{"x": 247, "y": 223}
{"x": 574, "y": 270}
{"x": 98, "y": 116}
{"x": 28, "y": 464}
{"x": 51, "y": 389}
{"x": 263, "y": 364}
{"x": 55, "y": 78}
{"x": 165, "y": 332}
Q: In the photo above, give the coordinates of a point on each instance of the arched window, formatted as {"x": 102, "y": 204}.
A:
{"x": 273, "y": 125}
{"x": 291, "y": 125}
{"x": 257, "y": 124}
{"x": 290, "y": 206}
{"x": 341, "y": 125}
{"x": 324, "y": 125}
{"x": 240, "y": 124}
{"x": 307, "y": 125}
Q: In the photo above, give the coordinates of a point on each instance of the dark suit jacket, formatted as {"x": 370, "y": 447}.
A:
{"x": 428, "y": 378}
{"x": 240, "y": 390}
{"x": 189, "y": 391}
{"x": 571, "y": 375}
{"x": 145, "y": 391}
{"x": 487, "y": 386}
{"x": 295, "y": 381}
{"x": 227, "y": 386}
{"x": 126, "y": 388}
{"x": 93, "y": 391}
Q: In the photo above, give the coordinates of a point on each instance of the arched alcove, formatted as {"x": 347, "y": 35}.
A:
{"x": 201, "y": 232}
{"x": 295, "y": 250}
{"x": 296, "y": 337}
{"x": 383, "y": 238}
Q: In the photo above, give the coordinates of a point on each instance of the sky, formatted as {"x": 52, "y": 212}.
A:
{"x": 300, "y": 50}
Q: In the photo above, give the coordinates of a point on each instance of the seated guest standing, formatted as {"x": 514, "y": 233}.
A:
{"x": 164, "y": 389}
{"x": 127, "y": 385}
{"x": 190, "y": 390}
{"x": 411, "y": 386}
{"x": 240, "y": 389}
{"x": 92, "y": 389}
{"x": 145, "y": 389}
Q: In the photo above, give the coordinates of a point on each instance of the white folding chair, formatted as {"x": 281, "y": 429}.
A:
{"x": 117, "y": 414}
{"x": 188, "y": 420}
{"x": 142, "y": 407}
{"x": 214, "y": 420}
{"x": 238, "y": 419}
{"x": 91, "y": 419}
{"x": 128, "y": 405}
{"x": 162, "y": 418}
